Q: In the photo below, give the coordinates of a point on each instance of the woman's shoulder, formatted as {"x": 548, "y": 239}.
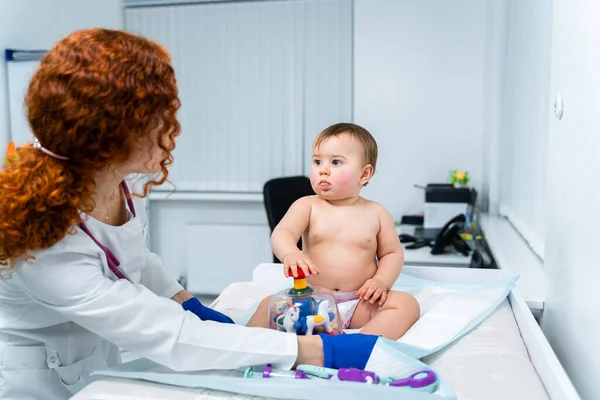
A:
{"x": 62, "y": 274}
{"x": 73, "y": 246}
{"x": 71, "y": 256}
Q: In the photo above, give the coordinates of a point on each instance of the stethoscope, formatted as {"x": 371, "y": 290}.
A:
{"x": 113, "y": 262}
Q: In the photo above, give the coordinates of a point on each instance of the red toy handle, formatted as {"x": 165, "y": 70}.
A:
{"x": 300, "y": 274}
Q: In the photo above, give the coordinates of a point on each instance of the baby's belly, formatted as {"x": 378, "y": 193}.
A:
{"x": 342, "y": 269}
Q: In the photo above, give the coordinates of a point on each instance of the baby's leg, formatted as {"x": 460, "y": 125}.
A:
{"x": 399, "y": 312}
{"x": 261, "y": 315}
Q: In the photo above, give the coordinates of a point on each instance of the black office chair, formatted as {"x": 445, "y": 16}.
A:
{"x": 279, "y": 194}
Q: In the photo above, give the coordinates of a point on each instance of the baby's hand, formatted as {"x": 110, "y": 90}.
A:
{"x": 298, "y": 260}
{"x": 373, "y": 289}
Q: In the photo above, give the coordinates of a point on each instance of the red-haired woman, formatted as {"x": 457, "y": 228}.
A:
{"x": 79, "y": 281}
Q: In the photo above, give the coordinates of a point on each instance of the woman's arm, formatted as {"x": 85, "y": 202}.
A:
{"x": 135, "y": 319}
{"x": 310, "y": 351}
{"x": 182, "y": 296}
{"x": 132, "y": 317}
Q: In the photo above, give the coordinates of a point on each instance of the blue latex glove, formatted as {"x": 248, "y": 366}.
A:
{"x": 347, "y": 351}
{"x": 205, "y": 313}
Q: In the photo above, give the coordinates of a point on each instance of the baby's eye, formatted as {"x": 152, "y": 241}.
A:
{"x": 336, "y": 162}
{"x": 317, "y": 162}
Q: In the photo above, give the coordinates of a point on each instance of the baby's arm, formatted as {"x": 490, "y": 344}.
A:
{"x": 286, "y": 234}
{"x": 389, "y": 250}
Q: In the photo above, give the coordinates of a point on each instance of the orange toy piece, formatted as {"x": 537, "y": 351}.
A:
{"x": 11, "y": 152}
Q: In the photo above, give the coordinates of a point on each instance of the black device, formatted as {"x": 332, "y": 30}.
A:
{"x": 447, "y": 238}
{"x": 417, "y": 242}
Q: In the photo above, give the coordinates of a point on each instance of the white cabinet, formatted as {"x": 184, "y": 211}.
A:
{"x": 571, "y": 320}
{"x": 210, "y": 242}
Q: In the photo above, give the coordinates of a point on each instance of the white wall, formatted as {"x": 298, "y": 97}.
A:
{"x": 524, "y": 125}
{"x": 571, "y": 319}
{"x": 37, "y": 24}
{"x": 280, "y": 72}
{"x": 496, "y": 36}
{"x": 419, "y": 89}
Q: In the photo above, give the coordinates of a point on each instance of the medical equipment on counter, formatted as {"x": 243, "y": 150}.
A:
{"x": 319, "y": 372}
{"x": 269, "y": 372}
{"x": 422, "y": 381}
{"x": 444, "y": 201}
{"x": 305, "y": 310}
{"x": 342, "y": 374}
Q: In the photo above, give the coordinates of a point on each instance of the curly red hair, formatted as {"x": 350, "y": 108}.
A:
{"x": 96, "y": 94}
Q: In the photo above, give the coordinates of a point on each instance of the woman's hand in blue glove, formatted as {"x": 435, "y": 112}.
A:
{"x": 205, "y": 313}
{"x": 347, "y": 351}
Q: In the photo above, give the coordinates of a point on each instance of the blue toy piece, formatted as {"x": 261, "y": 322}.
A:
{"x": 307, "y": 307}
{"x": 304, "y": 310}
{"x": 305, "y": 316}
{"x": 300, "y": 326}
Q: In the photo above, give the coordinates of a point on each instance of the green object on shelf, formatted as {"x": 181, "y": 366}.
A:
{"x": 459, "y": 177}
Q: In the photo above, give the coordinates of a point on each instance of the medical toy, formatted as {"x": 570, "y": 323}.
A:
{"x": 269, "y": 372}
{"x": 305, "y": 310}
{"x": 422, "y": 381}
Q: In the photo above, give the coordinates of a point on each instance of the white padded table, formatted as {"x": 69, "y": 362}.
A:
{"x": 491, "y": 362}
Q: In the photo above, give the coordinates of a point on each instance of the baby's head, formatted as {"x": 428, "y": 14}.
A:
{"x": 344, "y": 160}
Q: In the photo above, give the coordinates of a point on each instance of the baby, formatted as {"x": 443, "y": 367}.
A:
{"x": 350, "y": 245}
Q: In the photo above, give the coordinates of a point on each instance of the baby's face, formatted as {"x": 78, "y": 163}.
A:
{"x": 337, "y": 167}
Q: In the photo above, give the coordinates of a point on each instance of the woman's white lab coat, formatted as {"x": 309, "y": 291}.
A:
{"x": 66, "y": 314}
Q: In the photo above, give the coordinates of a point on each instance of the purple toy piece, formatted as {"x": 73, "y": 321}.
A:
{"x": 416, "y": 383}
{"x": 301, "y": 375}
{"x": 278, "y": 374}
{"x": 267, "y": 371}
{"x": 357, "y": 375}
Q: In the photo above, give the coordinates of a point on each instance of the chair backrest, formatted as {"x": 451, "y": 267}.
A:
{"x": 280, "y": 193}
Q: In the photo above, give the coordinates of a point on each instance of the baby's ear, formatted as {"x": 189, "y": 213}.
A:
{"x": 367, "y": 174}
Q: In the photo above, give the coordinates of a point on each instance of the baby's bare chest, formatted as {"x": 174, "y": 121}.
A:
{"x": 359, "y": 229}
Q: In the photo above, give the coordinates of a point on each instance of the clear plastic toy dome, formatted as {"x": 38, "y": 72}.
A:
{"x": 305, "y": 310}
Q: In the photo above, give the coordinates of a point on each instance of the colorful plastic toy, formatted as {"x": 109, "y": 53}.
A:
{"x": 319, "y": 372}
{"x": 357, "y": 375}
{"x": 422, "y": 381}
{"x": 305, "y": 310}
{"x": 269, "y": 372}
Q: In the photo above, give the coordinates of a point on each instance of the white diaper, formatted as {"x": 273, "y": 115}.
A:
{"x": 346, "y": 304}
